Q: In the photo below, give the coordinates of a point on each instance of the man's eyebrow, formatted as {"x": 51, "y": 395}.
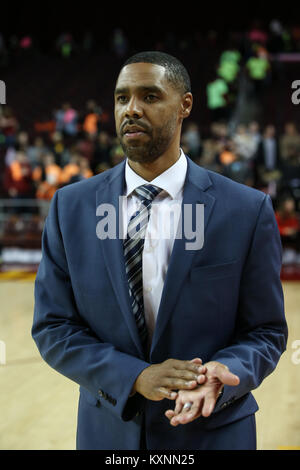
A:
{"x": 142, "y": 88}
{"x": 150, "y": 89}
{"x": 120, "y": 91}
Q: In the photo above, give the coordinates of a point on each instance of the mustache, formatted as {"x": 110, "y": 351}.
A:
{"x": 134, "y": 122}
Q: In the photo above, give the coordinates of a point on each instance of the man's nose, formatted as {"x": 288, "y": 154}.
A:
{"x": 133, "y": 108}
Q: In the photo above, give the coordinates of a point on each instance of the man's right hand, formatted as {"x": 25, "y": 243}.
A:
{"x": 160, "y": 381}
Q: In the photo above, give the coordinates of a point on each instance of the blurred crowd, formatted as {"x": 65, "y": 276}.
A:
{"x": 76, "y": 144}
{"x": 275, "y": 35}
{"x": 78, "y": 148}
{"x": 233, "y": 59}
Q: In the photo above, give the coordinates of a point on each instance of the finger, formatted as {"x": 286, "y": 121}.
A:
{"x": 208, "y": 405}
{"x": 178, "y": 407}
{"x": 201, "y": 379}
{"x": 178, "y": 384}
{"x": 169, "y": 414}
{"x": 166, "y": 393}
{"x": 186, "y": 374}
{"x": 187, "y": 416}
{"x": 227, "y": 378}
{"x": 197, "y": 360}
{"x": 187, "y": 365}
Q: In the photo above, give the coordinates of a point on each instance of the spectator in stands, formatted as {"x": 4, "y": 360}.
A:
{"x": 231, "y": 55}
{"x": 18, "y": 179}
{"x": 26, "y": 44}
{"x": 290, "y": 144}
{"x": 229, "y": 65}
{"x": 71, "y": 169}
{"x": 208, "y": 158}
{"x": 268, "y": 167}
{"x": 65, "y": 45}
{"x": 22, "y": 141}
{"x": 213, "y": 145}
{"x": 233, "y": 165}
{"x": 220, "y": 131}
{"x": 9, "y": 125}
{"x": 86, "y": 146}
{"x": 91, "y": 120}
{"x": 257, "y": 34}
{"x": 70, "y": 120}
{"x": 258, "y": 68}
{"x": 289, "y": 227}
{"x": 254, "y": 133}
{"x": 240, "y": 172}
{"x": 58, "y": 147}
{"x": 66, "y": 120}
{"x": 36, "y": 151}
{"x": 59, "y": 119}
{"x": 90, "y": 124}
{"x": 217, "y": 99}
{"x": 47, "y": 177}
{"x": 192, "y": 140}
{"x": 227, "y": 154}
{"x": 228, "y": 70}
{"x": 245, "y": 145}
{"x": 84, "y": 171}
{"x": 102, "y": 152}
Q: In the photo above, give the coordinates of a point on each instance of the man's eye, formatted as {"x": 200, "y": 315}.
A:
{"x": 151, "y": 98}
{"x": 122, "y": 99}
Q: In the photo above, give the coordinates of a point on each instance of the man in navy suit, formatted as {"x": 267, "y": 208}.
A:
{"x": 165, "y": 337}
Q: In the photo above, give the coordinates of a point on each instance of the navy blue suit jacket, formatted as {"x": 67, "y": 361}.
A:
{"x": 223, "y": 302}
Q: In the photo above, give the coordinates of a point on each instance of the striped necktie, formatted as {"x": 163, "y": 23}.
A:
{"x": 133, "y": 252}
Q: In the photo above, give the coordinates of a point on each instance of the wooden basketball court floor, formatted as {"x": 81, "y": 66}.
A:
{"x": 38, "y": 406}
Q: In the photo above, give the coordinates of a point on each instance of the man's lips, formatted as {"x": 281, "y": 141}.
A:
{"x": 134, "y": 135}
{"x": 134, "y": 132}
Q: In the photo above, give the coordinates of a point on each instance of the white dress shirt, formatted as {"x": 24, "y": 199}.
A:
{"x": 161, "y": 229}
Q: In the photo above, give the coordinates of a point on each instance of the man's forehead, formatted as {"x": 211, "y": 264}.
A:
{"x": 142, "y": 74}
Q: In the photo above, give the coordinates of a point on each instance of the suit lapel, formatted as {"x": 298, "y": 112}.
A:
{"x": 113, "y": 249}
{"x": 197, "y": 181}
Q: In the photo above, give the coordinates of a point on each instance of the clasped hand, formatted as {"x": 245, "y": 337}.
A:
{"x": 185, "y": 382}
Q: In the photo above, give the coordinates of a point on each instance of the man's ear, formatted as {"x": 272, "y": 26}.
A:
{"x": 186, "y": 105}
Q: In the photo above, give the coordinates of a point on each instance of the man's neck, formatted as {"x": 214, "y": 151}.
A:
{"x": 150, "y": 170}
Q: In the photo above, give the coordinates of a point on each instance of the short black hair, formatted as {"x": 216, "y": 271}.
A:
{"x": 176, "y": 72}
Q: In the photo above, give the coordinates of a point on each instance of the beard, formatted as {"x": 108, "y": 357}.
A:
{"x": 155, "y": 146}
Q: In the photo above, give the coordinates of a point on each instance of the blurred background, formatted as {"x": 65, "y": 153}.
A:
{"x": 59, "y": 64}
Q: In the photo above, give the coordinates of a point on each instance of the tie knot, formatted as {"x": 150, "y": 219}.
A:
{"x": 147, "y": 191}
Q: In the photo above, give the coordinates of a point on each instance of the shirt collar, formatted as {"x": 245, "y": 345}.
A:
{"x": 171, "y": 180}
